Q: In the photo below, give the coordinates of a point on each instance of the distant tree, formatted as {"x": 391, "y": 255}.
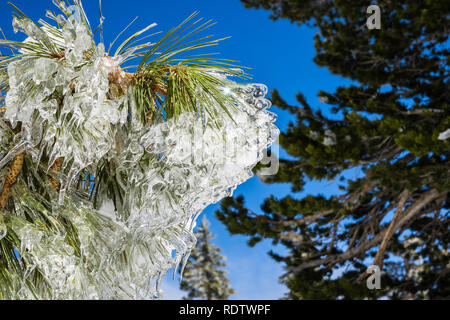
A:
{"x": 391, "y": 124}
{"x": 203, "y": 276}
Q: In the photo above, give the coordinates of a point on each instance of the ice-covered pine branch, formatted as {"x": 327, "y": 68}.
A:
{"x": 103, "y": 172}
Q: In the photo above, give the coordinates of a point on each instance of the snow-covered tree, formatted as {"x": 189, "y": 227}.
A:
{"x": 102, "y": 171}
{"x": 204, "y": 277}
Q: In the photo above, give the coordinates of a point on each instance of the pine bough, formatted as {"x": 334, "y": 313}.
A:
{"x": 103, "y": 171}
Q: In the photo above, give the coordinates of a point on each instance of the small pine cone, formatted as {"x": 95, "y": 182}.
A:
{"x": 56, "y": 167}
{"x": 11, "y": 178}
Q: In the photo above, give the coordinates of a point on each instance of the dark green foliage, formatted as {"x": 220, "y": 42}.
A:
{"x": 396, "y": 214}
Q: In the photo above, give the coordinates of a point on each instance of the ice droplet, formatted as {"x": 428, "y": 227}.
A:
{"x": 444, "y": 135}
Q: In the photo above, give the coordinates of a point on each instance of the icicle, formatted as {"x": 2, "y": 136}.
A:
{"x": 183, "y": 265}
{"x": 102, "y": 19}
{"x": 3, "y": 229}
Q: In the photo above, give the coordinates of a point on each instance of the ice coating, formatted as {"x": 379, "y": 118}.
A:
{"x": 170, "y": 170}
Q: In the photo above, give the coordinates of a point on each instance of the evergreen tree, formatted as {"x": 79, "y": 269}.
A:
{"x": 391, "y": 124}
{"x": 203, "y": 276}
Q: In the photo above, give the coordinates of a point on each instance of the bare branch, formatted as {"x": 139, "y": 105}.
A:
{"x": 391, "y": 229}
{"x": 409, "y": 213}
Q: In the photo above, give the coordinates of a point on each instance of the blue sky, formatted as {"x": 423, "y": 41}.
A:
{"x": 280, "y": 55}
